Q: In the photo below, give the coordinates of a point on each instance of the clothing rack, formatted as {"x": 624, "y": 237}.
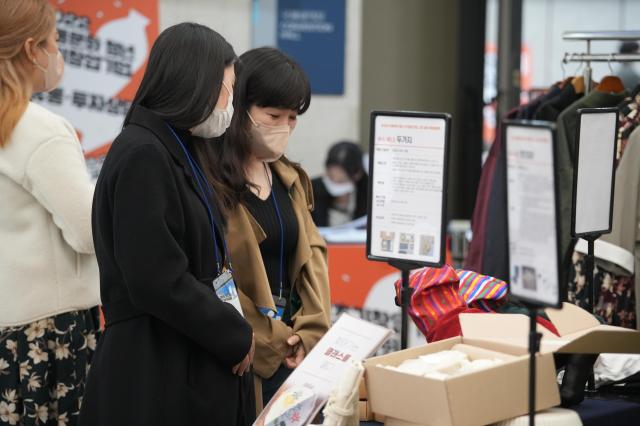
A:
{"x": 588, "y": 57}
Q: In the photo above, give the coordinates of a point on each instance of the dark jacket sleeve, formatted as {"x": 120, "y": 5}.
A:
{"x": 321, "y": 201}
{"x": 147, "y": 216}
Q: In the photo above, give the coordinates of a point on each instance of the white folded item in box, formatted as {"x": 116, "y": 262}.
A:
{"x": 611, "y": 368}
{"x": 442, "y": 365}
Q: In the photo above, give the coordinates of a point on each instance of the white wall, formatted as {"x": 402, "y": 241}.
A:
{"x": 329, "y": 118}
{"x": 231, "y": 18}
{"x": 544, "y": 21}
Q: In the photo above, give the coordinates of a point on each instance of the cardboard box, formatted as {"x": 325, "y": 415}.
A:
{"x": 398, "y": 422}
{"x": 366, "y": 415}
{"x": 580, "y": 332}
{"x": 363, "y": 389}
{"x": 498, "y": 393}
{"x": 379, "y": 418}
{"x": 476, "y": 398}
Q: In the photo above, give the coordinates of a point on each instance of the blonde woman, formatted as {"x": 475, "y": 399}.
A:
{"x": 48, "y": 272}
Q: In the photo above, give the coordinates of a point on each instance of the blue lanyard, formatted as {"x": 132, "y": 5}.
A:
{"x": 275, "y": 204}
{"x": 200, "y": 179}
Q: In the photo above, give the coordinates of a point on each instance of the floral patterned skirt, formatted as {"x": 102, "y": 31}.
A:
{"x": 43, "y": 366}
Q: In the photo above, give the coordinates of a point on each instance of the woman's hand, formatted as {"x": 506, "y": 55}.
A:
{"x": 244, "y": 365}
{"x": 296, "y": 352}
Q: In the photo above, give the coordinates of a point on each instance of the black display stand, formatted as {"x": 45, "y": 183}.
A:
{"x": 592, "y": 234}
{"x": 535, "y": 301}
{"x": 534, "y": 348}
{"x": 406, "y": 265}
{"x": 589, "y": 263}
{"x": 405, "y": 299}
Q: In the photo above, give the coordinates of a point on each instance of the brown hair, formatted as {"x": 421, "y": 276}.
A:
{"x": 19, "y": 20}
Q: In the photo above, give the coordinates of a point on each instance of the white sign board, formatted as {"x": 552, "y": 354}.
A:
{"x": 308, "y": 388}
{"x": 532, "y": 211}
{"x": 594, "y": 173}
{"x": 408, "y": 165}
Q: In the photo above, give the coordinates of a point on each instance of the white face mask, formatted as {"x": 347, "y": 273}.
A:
{"x": 54, "y": 70}
{"x": 218, "y": 121}
{"x": 338, "y": 189}
{"x": 269, "y": 142}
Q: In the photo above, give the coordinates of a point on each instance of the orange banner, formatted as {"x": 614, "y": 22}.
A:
{"x": 105, "y": 46}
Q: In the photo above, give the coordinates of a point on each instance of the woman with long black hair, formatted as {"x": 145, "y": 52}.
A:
{"x": 280, "y": 257}
{"x": 173, "y": 353}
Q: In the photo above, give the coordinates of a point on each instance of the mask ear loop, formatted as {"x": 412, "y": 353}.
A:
{"x": 229, "y": 91}
{"x": 37, "y": 64}
{"x": 252, "y": 120}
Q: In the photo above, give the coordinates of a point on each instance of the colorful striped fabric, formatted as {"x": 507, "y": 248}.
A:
{"x": 437, "y": 291}
{"x": 481, "y": 291}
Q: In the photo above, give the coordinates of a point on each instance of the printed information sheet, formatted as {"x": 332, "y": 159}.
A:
{"x": 308, "y": 388}
{"x": 408, "y": 184}
{"x": 533, "y": 250}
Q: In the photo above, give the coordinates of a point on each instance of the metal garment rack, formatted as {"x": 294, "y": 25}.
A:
{"x": 588, "y": 57}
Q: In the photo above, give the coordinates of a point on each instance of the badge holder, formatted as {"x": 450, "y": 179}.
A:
{"x": 226, "y": 290}
{"x": 281, "y": 305}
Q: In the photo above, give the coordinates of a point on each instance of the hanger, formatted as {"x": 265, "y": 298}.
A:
{"x": 610, "y": 84}
{"x": 579, "y": 69}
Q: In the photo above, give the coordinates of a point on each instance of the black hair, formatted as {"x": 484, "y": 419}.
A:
{"x": 184, "y": 74}
{"x": 629, "y": 47}
{"x": 347, "y": 155}
{"x": 265, "y": 77}
{"x": 270, "y": 78}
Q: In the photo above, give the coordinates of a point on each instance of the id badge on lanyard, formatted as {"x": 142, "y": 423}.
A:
{"x": 281, "y": 305}
{"x": 224, "y": 285}
{"x": 226, "y": 290}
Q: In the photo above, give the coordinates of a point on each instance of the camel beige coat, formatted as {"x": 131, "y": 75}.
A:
{"x": 308, "y": 272}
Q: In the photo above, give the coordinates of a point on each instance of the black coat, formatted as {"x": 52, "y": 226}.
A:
{"x": 166, "y": 355}
{"x": 323, "y": 201}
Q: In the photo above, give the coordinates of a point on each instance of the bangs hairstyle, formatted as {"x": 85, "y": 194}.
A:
{"x": 265, "y": 77}
{"x": 270, "y": 78}
{"x": 184, "y": 75}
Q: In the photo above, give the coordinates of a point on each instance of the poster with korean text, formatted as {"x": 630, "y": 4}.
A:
{"x": 105, "y": 46}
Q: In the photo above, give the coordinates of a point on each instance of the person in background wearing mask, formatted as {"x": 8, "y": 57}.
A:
{"x": 278, "y": 254}
{"x": 48, "y": 270}
{"x": 341, "y": 194}
{"x": 173, "y": 352}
